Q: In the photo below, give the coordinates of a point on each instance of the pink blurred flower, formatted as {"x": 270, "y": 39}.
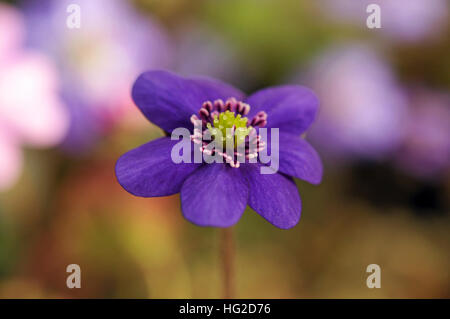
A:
{"x": 98, "y": 61}
{"x": 30, "y": 110}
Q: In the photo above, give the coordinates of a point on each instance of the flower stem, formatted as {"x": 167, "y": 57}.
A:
{"x": 227, "y": 254}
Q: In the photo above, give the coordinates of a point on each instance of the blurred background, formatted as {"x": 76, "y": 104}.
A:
{"x": 383, "y": 133}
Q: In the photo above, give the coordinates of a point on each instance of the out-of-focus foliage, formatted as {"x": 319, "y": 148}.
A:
{"x": 392, "y": 210}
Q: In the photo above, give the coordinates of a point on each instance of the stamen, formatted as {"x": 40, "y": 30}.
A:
{"x": 208, "y": 106}
{"x": 204, "y": 114}
{"x": 218, "y": 105}
{"x": 260, "y": 119}
{"x": 226, "y": 124}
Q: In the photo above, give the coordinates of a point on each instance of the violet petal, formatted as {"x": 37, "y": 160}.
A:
{"x": 290, "y": 108}
{"x": 169, "y": 100}
{"x": 297, "y": 158}
{"x": 148, "y": 171}
{"x": 273, "y": 196}
{"x": 214, "y": 195}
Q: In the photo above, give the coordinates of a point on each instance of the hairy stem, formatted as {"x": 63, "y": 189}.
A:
{"x": 227, "y": 255}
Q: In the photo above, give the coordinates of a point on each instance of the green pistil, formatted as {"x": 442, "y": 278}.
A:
{"x": 226, "y": 120}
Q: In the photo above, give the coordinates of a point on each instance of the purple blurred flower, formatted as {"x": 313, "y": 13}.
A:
{"x": 404, "y": 20}
{"x": 98, "y": 60}
{"x": 217, "y": 194}
{"x": 31, "y": 112}
{"x": 362, "y": 110}
{"x": 425, "y": 151}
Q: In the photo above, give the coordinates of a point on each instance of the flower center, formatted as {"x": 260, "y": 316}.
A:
{"x": 226, "y": 125}
{"x": 229, "y": 128}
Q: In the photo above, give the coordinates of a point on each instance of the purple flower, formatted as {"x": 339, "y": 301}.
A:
{"x": 217, "y": 194}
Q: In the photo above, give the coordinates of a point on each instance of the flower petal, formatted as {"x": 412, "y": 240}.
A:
{"x": 297, "y": 158}
{"x": 214, "y": 89}
{"x": 148, "y": 171}
{"x": 169, "y": 100}
{"x": 214, "y": 195}
{"x": 273, "y": 196}
{"x": 290, "y": 108}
